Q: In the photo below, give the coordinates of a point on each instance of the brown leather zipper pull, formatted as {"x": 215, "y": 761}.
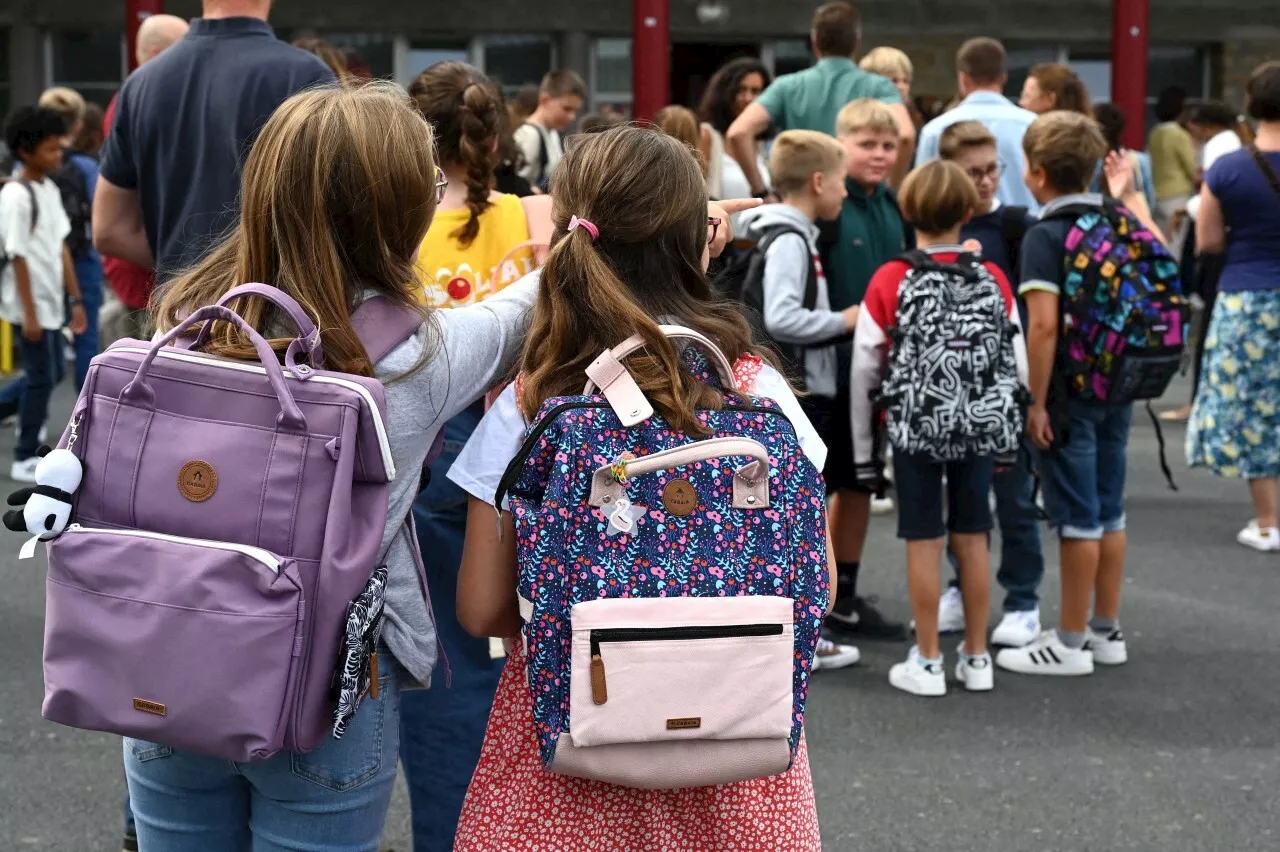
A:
{"x": 599, "y": 691}
{"x": 373, "y": 675}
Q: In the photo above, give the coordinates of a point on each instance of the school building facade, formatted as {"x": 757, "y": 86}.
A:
{"x": 1207, "y": 46}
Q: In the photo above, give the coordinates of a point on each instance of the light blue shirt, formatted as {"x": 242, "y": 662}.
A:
{"x": 1007, "y": 122}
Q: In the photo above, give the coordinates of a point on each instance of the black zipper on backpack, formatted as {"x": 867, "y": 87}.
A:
{"x": 512, "y": 472}
{"x": 599, "y": 685}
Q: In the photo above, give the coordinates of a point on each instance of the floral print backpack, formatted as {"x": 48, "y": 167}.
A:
{"x": 672, "y": 586}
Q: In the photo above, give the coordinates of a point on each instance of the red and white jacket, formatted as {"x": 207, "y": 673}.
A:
{"x": 871, "y": 340}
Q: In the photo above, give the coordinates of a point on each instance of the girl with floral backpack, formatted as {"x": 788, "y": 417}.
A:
{"x": 705, "y": 503}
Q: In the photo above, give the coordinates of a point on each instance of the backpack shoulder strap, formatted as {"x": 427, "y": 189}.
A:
{"x": 382, "y": 325}
{"x": 916, "y": 258}
{"x": 1268, "y": 171}
{"x": 35, "y": 205}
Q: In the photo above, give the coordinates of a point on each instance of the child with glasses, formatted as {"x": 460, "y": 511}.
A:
{"x": 999, "y": 229}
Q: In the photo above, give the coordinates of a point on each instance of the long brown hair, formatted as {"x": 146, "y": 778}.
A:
{"x": 1068, "y": 90}
{"x": 644, "y": 191}
{"x": 328, "y": 54}
{"x": 337, "y": 196}
{"x": 468, "y": 114}
{"x": 680, "y": 123}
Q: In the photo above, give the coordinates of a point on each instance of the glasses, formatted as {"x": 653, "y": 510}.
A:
{"x": 991, "y": 173}
{"x": 713, "y": 228}
{"x": 442, "y": 183}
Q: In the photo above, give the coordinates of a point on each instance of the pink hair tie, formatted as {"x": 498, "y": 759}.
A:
{"x": 589, "y": 227}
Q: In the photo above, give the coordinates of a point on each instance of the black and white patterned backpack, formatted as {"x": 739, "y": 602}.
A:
{"x": 952, "y": 389}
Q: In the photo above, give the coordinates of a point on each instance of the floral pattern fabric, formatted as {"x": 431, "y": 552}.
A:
{"x": 1235, "y": 426}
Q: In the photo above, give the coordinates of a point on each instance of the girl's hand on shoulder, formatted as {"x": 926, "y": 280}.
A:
{"x": 1119, "y": 171}
{"x": 723, "y": 210}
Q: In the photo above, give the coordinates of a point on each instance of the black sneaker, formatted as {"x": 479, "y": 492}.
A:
{"x": 860, "y": 618}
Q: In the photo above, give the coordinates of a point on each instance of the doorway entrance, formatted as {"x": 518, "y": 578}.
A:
{"x": 693, "y": 64}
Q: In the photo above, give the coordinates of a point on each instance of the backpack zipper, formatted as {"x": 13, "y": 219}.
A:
{"x": 384, "y": 443}
{"x": 256, "y": 553}
{"x": 599, "y": 687}
{"x": 531, "y": 440}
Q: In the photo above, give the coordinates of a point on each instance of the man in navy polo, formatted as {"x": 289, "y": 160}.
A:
{"x": 184, "y": 123}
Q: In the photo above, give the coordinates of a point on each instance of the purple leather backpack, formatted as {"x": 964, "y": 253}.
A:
{"x": 231, "y": 511}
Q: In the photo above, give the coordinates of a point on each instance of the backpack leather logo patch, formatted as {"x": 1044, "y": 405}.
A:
{"x": 679, "y": 498}
{"x": 155, "y": 708}
{"x": 197, "y": 481}
{"x": 689, "y": 724}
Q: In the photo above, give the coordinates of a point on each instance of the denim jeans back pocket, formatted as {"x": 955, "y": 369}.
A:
{"x": 342, "y": 765}
{"x": 144, "y": 751}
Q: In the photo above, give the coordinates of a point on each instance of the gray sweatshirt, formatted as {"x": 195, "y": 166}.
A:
{"x": 785, "y": 274}
{"x": 470, "y": 350}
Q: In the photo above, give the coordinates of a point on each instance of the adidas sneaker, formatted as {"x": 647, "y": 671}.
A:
{"x": 1047, "y": 656}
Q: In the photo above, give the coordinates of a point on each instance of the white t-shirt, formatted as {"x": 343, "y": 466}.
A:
{"x": 532, "y": 138}
{"x": 41, "y": 247}
{"x": 497, "y": 439}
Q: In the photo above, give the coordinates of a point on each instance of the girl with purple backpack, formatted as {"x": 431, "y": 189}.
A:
{"x": 338, "y": 192}
{"x": 630, "y": 252}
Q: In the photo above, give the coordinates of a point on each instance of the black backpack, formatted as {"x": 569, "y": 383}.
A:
{"x": 75, "y": 200}
{"x": 741, "y": 279}
{"x": 951, "y": 391}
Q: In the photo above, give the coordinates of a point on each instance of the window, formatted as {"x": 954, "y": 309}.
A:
{"x": 790, "y": 56}
{"x": 91, "y": 62}
{"x": 611, "y": 73}
{"x": 515, "y": 61}
{"x": 423, "y": 54}
{"x": 377, "y": 50}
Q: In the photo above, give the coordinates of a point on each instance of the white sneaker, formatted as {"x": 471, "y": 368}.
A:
{"x": 976, "y": 673}
{"x": 1255, "y": 537}
{"x": 1047, "y": 656}
{"x": 881, "y": 505}
{"x": 833, "y": 656}
{"x": 1109, "y": 649}
{"x": 1017, "y": 629}
{"x": 25, "y": 470}
{"x": 917, "y": 677}
{"x": 951, "y": 611}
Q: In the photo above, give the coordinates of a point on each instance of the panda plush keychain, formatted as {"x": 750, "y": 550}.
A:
{"x": 46, "y": 506}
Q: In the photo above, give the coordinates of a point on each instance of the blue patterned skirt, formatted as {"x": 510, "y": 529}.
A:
{"x": 1235, "y": 426}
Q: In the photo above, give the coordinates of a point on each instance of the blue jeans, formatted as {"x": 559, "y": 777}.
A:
{"x": 1021, "y": 552}
{"x": 1084, "y": 478}
{"x": 918, "y": 481}
{"x": 89, "y": 274}
{"x": 27, "y": 396}
{"x": 442, "y": 729}
{"x": 334, "y": 799}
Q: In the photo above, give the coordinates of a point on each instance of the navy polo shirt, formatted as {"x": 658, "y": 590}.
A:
{"x": 184, "y": 125}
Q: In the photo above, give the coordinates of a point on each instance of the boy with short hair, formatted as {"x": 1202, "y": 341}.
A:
{"x": 1084, "y": 440}
{"x": 1000, "y": 229}
{"x": 871, "y": 232}
{"x": 39, "y": 279}
{"x": 937, "y": 348}
{"x": 560, "y": 99}
{"x": 809, "y": 170}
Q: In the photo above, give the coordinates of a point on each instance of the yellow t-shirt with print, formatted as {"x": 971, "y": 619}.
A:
{"x": 454, "y": 275}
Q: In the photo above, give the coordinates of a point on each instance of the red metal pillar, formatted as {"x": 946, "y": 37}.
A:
{"x": 1129, "y": 20}
{"x": 135, "y": 12}
{"x": 650, "y": 57}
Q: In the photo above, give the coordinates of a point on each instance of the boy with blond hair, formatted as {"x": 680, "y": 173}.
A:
{"x": 895, "y": 66}
{"x": 790, "y": 292}
{"x": 870, "y": 232}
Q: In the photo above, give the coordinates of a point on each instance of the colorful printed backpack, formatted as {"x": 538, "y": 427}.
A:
{"x": 672, "y": 586}
{"x": 1124, "y": 318}
{"x": 952, "y": 389}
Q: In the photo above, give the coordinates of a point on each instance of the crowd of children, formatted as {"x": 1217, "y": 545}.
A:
{"x": 926, "y": 321}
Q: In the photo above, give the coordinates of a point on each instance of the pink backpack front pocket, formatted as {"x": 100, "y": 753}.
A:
{"x": 710, "y": 678}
